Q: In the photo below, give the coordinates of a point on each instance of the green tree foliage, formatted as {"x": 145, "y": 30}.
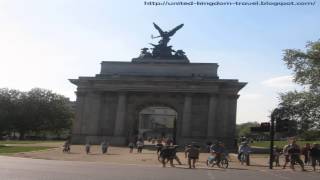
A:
{"x": 37, "y": 110}
{"x": 303, "y": 106}
{"x": 305, "y": 65}
{"x": 244, "y": 128}
{"x": 9, "y": 102}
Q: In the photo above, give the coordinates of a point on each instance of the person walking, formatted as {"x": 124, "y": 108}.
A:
{"x": 167, "y": 155}
{"x": 140, "y": 146}
{"x": 192, "y": 153}
{"x": 286, "y": 155}
{"x": 175, "y": 147}
{"x": 294, "y": 152}
{"x": 159, "y": 145}
{"x": 87, "y": 147}
{"x": 315, "y": 155}
{"x": 131, "y": 146}
{"x": 276, "y": 155}
{"x": 66, "y": 146}
{"x": 306, "y": 153}
{"x": 104, "y": 147}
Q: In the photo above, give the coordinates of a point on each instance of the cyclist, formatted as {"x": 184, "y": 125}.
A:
{"x": 218, "y": 150}
{"x": 244, "y": 148}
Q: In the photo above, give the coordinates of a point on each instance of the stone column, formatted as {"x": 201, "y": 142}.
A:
{"x": 92, "y": 114}
{"x": 186, "y": 121}
{"x": 232, "y": 115}
{"x": 212, "y": 121}
{"x": 121, "y": 113}
{"x": 77, "y": 132}
{"x": 76, "y": 129}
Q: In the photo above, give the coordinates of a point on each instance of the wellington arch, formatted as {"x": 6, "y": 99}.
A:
{"x": 159, "y": 93}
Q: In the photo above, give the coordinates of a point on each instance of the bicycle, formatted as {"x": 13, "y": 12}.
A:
{"x": 212, "y": 161}
{"x": 245, "y": 158}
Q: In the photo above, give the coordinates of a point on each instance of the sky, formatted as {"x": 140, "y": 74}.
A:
{"x": 44, "y": 43}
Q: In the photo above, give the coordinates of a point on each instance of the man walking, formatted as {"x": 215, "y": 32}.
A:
{"x": 315, "y": 155}
{"x": 192, "y": 153}
{"x": 294, "y": 152}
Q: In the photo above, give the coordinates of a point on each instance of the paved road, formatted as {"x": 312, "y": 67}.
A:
{"x": 13, "y": 168}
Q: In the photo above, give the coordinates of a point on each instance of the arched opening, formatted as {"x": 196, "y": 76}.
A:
{"x": 157, "y": 122}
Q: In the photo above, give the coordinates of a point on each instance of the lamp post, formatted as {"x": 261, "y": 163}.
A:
{"x": 271, "y": 140}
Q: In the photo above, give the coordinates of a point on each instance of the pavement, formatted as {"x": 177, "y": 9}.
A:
{"x": 16, "y": 168}
{"x": 118, "y": 163}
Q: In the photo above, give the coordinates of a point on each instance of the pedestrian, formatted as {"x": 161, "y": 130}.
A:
{"x": 159, "y": 146}
{"x": 167, "y": 154}
{"x": 294, "y": 152}
{"x": 286, "y": 155}
{"x": 66, "y": 146}
{"x": 87, "y": 147}
{"x": 276, "y": 155}
{"x": 139, "y": 146}
{"x": 104, "y": 147}
{"x": 306, "y": 153}
{"x": 131, "y": 146}
{"x": 175, "y": 147}
{"x": 315, "y": 155}
{"x": 192, "y": 153}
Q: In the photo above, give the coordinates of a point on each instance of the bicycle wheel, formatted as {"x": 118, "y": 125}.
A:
{"x": 242, "y": 159}
{"x": 210, "y": 163}
{"x": 248, "y": 160}
{"x": 224, "y": 163}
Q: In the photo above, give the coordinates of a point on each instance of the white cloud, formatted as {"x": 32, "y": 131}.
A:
{"x": 279, "y": 82}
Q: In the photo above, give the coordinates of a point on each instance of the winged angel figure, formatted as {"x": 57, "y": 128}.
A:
{"x": 165, "y": 35}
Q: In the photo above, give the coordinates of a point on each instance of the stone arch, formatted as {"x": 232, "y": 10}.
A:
{"x": 139, "y": 105}
{"x": 157, "y": 120}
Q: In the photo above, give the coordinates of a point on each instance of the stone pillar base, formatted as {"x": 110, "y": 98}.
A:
{"x": 118, "y": 140}
{"x": 113, "y": 140}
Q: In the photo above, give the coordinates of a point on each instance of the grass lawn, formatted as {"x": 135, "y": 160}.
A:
{"x": 280, "y": 143}
{"x": 16, "y": 149}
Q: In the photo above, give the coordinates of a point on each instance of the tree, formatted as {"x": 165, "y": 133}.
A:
{"x": 305, "y": 65}
{"x": 37, "y": 110}
{"x": 244, "y": 128}
{"x": 9, "y": 99}
{"x": 303, "y": 106}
